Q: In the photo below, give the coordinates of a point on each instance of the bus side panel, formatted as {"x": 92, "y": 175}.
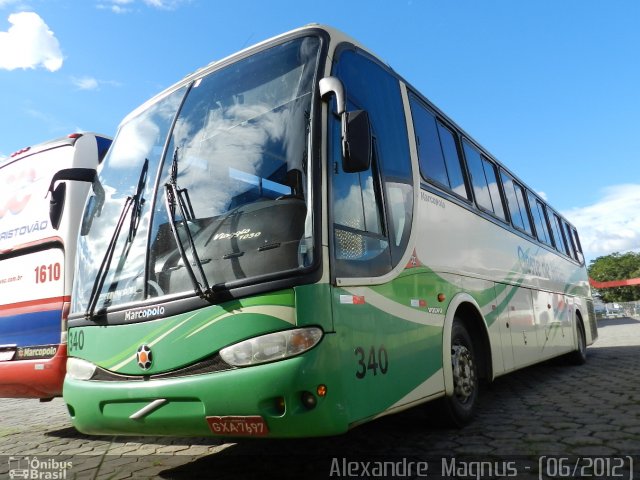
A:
{"x": 32, "y": 298}
{"x": 40, "y": 378}
{"x": 390, "y": 342}
{"x": 31, "y": 325}
{"x": 24, "y": 210}
{"x": 535, "y": 287}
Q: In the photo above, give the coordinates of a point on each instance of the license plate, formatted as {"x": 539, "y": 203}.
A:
{"x": 238, "y": 426}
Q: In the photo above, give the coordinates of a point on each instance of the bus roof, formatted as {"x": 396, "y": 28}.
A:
{"x": 103, "y": 145}
{"x": 335, "y": 34}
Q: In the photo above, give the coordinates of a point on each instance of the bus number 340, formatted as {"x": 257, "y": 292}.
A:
{"x": 76, "y": 340}
{"x": 376, "y": 360}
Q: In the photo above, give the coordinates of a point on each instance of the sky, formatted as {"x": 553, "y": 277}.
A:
{"x": 550, "y": 87}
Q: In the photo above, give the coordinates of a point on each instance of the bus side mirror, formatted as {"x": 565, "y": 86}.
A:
{"x": 56, "y": 204}
{"x": 357, "y": 145}
{"x": 355, "y": 126}
{"x": 58, "y": 194}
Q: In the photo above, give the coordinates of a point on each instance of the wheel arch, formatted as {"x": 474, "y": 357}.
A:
{"x": 579, "y": 319}
{"x": 467, "y": 309}
{"x": 578, "y": 356}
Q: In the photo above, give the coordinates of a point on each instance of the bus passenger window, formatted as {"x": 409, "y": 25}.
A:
{"x": 523, "y": 209}
{"x": 432, "y": 164}
{"x": 452, "y": 160}
{"x": 485, "y": 182}
{"x": 538, "y": 211}
{"x": 516, "y": 204}
{"x": 559, "y": 239}
{"x": 437, "y": 150}
{"x": 576, "y": 241}
{"x": 570, "y": 243}
{"x": 494, "y": 189}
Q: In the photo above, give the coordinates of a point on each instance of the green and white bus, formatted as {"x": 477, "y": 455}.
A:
{"x": 293, "y": 241}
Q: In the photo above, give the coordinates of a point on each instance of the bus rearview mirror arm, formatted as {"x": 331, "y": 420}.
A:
{"x": 58, "y": 194}
{"x": 355, "y": 127}
{"x": 332, "y": 85}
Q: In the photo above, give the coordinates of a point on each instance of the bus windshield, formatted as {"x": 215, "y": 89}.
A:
{"x": 231, "y": 204}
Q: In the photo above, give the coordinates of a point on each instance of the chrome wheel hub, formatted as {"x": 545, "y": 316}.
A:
{"x": 464, "y": 373}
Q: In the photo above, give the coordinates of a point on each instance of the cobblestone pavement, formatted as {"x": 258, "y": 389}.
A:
{"x": 546, "y": 410}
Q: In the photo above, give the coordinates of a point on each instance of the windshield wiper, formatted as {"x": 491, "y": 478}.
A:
{"x": 173, "y": 197}
{"x": 136, "y": 201}
{"x": 181, "y": 194}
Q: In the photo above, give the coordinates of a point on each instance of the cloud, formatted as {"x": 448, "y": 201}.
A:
{"x": 90, "y": 83}
{"x": 612, "y": 224}
{"x": 164, "y": 4}
{"x": 119, "y": 9}
{"x": 116, "y": 6}
{"x": 127, "y": 6}
{"x": 85, "y": 83}
{"x": 29, "y": 43}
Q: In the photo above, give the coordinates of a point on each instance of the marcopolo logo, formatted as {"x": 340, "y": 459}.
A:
{"x": 144, "y": 313}
{"x": 42, "y": 351}
{"x": 144, "y": 355}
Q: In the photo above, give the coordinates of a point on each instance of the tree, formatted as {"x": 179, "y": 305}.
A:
{"x": 617, "y": 266}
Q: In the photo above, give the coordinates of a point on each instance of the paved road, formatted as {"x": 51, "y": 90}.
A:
{"x": 547, "y": 410}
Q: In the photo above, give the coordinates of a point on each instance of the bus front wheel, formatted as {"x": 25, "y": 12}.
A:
{"x": 461, "y": 406}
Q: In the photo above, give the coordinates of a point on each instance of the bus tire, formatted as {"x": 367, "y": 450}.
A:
{"x": 461, "y": 406}
{"x": 579, "y": 355}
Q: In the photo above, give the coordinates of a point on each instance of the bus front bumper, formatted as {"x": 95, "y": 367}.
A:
{"x": 270, "y": 400}
{"x": 41, "y": 378}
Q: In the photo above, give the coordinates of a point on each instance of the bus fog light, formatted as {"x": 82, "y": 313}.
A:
{"x": 79, "y": 369}
{"x": 309, "y": 400}
{"x": 271, "y": 347}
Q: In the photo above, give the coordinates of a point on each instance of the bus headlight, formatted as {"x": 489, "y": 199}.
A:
{"x": 271, "y": 347}
{"x": 79, "y": 369}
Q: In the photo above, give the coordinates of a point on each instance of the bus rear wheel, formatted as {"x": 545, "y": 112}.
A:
{"x": 579, "y": 356}
{"x": 461, "y": 406}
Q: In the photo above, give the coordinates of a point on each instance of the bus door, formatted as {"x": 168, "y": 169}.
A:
{"x": 381, "y": 333}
